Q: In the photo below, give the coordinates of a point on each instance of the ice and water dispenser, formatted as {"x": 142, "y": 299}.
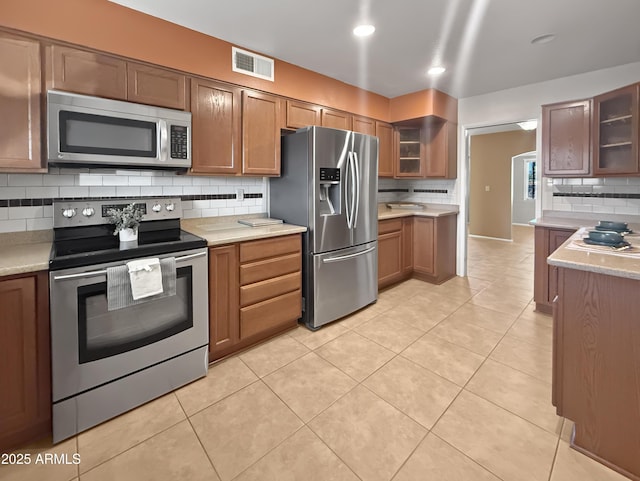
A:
{"x": 330, "y": 191}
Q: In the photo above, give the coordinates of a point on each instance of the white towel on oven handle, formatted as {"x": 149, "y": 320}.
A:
{"x": 146, "y": 277}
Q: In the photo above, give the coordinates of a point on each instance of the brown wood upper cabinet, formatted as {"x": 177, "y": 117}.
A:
{"x": 411, "y": 152}
{"x": 364, "y": 125}
{"x": 25, "y": 370}
{"x": 387, "y": 150}
{"x": 216, "y": 123}
{"x": 301, "y": 114}
{"x": 20, "y": 90}
{"x": 260, "y": 133}
{"x": 441, "y": 149}
{"x": 335, "y": 119}
{"x": 616, "y": 132}
{"x": 91, "y": 73}
{"x": 566, "y": 139}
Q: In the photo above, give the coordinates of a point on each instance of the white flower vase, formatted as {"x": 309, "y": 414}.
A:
{"x": 128, "y": 235}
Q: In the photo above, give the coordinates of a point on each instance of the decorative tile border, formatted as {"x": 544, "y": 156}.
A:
{"x": 600, "y": 195}
{"x": 393, "y": 190}
{"x": 432, "y": 191}
{"x": 49, "y": 201}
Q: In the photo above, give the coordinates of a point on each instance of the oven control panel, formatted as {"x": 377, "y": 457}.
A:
{"x": 85, "y": 212}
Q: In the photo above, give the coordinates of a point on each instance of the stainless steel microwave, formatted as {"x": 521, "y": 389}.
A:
{"x": 86, "y": 131}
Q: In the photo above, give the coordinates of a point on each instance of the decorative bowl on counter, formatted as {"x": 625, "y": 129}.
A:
{"x": 607, "y": 225}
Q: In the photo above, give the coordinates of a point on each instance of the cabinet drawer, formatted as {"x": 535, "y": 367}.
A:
{"x": 262, "y": 249}
{"x": 266, "y": 269}
{"x": 392, "y": 225}
{"x": 270, "y": 313}
{"x": 259, "y": 291}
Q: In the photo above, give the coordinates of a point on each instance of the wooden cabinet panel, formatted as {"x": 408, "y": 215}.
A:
{"x": 301, "y": 114}
{"x": 407, "y": 246}
{"x": 441, "y": 150}
{"x": 423, "y": 245}
{"x": 389, "y": 258}
{"x": 364, "y": 125}
{"x": 335, "y": 119}
{"x": 271, "y": 313}
{"x": 273, "y": 287}
{"x": 276, "y": 246}
{"x": 20, "y": 97}
{"x": 216, "y": 112}
{"x": 156, "y": 86}
{"x": 389, "y": 225}
{"x": 566, "y": 139}
{"x": 86, "y": 72}
{"x": 260, "y": 133}
{"x": 268, "y": 268}
{"x": 25, "y": 370}
{"x": 547, "y": 240}
{"x": 224, "y": 329}
{"x": 597, "y": 366}
{"x": 387, "y": 150}
{"x": 615, "y": 132}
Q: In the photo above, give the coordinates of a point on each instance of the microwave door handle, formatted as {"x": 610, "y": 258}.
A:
{"x": 163, "y": 140}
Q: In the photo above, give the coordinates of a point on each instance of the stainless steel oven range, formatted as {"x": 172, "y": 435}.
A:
{"x": 109, "y": 352}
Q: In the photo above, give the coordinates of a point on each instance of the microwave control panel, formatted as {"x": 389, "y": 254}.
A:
{"x": 179, "y": 141}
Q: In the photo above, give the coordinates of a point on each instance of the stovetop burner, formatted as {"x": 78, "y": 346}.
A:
{"x": 83, "y": 236}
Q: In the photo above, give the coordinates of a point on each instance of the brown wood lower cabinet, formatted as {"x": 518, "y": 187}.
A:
{"x": 255, "y": 292}
{"x": 25, "y": 366}
{"x": 423, "y": 247}
{"x": 547, "y": 240}
{"x": 596, "y": 365}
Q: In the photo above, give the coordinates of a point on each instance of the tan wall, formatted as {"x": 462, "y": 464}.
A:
{"x": 490, "y": 154}
{"x": 110, "y": 27}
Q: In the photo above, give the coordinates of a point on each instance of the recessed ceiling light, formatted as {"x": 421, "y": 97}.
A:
{"x": 364, "y": 30}
{"x": 546, "y": 38}
{"x": 528, "y": 125}
{"x": 436, "y": 70}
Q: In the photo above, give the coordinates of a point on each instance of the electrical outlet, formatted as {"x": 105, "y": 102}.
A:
{"x": 487, "y": 188}
{"x": 239, "y": 194}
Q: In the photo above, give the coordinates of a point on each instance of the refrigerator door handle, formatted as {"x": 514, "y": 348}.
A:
{"x": 348, "y": 256}
{"x": 354, "y": 188}
{"x": 357, "y": 183}
{"x": 348, "y": 212}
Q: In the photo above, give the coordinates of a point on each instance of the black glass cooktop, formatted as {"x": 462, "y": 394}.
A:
{"x": 86, "y": 246}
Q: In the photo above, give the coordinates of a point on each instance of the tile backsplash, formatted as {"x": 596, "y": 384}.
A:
{"x": 608, "y": 195}
{"x": 410, "y": 190}
{"x": 25, "y": 199}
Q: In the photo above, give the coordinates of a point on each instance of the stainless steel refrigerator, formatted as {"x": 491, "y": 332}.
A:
{"x": 329, "y": 184}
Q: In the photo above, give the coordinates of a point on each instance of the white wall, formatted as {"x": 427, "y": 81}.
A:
{"x": 521, "y": 103}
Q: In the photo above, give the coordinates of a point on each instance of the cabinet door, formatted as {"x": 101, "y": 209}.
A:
{"x": 545, "y": 276}
{"x": 615, "y": 132}
{"x": 260, "y": 133}
{"x": 224, "y": 288}
{"x": 423, "y": 245}
{"x": 215, "y": 111}
{"x": 364, "y": 125}
{"x": 441, "y": 149}
{"x": 566, "y": 139}
{"x": 86, "y": 72}
{"x": 156, "y": 86}
{"x": 411, "y": 152}
{"x": 556, "y": 237}
{"x": 386, "y": 149}
{"x": 20, "y": 90}
{"x": 407, "y": 246}
{"x": 336, "y": 119}
{"x": 389, "y": 258}
{"x": 25, "y": 372}
{"x": 301, "y": 114}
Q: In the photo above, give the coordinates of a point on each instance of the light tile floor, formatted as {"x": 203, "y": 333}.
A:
{"x": 448, "y": 382}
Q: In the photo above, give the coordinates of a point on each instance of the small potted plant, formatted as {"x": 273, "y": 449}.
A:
{"x": 126, "y": 221}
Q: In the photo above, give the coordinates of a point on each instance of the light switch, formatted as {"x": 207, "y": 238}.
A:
{"x": 487, "y": 188}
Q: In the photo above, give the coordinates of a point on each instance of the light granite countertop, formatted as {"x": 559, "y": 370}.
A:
{"x": 426, "y": 210}
{"x": 25, "y": 252}
{"x": 562, "y": 220}
{"x": 227, "y": 230}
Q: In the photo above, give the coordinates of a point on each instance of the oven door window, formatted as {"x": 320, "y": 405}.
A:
{"x": 103, "y": 333}
{"x": 82, "y": 133}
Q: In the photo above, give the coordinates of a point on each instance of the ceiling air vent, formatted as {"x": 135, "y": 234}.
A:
{"x": 252, "y": 64}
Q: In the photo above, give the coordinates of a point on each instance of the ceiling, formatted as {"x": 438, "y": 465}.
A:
{"x": 484, "y": 44}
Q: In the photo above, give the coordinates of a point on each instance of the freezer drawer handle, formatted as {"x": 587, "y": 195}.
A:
{"x": 348, "y": 256}
{"x": 82, "y": 275}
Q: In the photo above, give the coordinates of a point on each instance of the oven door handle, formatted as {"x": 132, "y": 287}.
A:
{"x": 82, "y": 275}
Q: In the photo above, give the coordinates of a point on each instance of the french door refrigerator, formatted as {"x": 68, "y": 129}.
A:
{"x": 329, "y": 184}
